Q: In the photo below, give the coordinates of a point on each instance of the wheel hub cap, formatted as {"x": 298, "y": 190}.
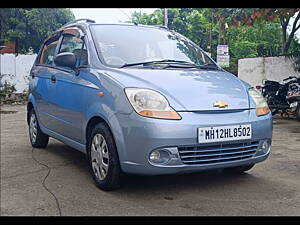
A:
{"x": 99, "y": 156}
{"x": 33, "y": 128}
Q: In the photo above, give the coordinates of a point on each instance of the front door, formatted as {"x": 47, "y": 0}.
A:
{"x": 67, "y": 100}
{"x": 44, "y": 87}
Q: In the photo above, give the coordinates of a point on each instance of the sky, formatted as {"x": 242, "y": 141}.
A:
{"x": 108, "y": 15}
{"x": 119, "y": 15}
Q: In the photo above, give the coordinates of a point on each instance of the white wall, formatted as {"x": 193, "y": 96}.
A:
{"x": 15, "y": 70}
{"x": 255, "y": 70}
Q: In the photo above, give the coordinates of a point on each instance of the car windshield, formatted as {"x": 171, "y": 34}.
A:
{"x": 128, "y": 45}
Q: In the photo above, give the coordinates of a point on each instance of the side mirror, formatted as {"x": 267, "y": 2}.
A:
{"x": 66, "y": 59}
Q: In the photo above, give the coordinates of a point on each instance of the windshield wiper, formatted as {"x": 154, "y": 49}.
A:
{"x": 175, "y": 64}
{"x": 209, "y": 66}
{"x": 159, "y": 62}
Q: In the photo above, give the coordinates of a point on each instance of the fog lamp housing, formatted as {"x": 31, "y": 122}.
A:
{"x": 159, "y": 156}
{"x": 264, "y": 147}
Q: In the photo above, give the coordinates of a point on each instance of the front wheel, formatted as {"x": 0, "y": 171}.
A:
{"x": 103, "y": 158}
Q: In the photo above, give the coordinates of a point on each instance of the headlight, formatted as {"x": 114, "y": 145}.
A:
{"x": 262, "y": 107}
{"x": 150, "y": 103}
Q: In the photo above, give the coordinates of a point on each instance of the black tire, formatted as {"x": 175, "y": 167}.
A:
{"x": 297, "y": 112}
{"x": 112, "y": 179}
{"x": 41, "y": 140}
{"x": 238, "y": 169}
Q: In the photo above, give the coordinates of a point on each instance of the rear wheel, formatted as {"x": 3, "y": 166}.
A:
{"x": 103, "y": 158}
{"x": 37, "y": 138}
{"x": 238, "y": 169}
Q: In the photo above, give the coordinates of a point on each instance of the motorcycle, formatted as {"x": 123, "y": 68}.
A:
{"x": 276, "y": 94}
{"x": 293, "y": 98}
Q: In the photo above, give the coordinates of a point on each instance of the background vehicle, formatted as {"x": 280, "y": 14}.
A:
{"x": 276, "y": 94}
{"x": 293, "y": 97}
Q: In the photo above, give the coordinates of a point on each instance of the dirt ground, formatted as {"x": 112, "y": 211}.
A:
{"x": 56, "y": 181}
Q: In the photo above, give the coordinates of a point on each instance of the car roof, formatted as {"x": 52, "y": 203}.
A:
{"x": 84, "y": 23}
{"x": 84, "y": 26}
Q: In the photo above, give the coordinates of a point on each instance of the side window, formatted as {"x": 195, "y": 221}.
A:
{"x": 77, "y": 46}
{"x": 47, "y": 54}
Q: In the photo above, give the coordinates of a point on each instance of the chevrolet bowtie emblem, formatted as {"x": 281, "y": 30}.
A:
{"x": 220, "y": 104}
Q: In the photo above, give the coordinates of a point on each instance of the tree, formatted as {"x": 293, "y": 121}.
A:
{"x": 155, "y": 18}
{"x": 285, "y": 16}
{"x": 186, "y": 21}
{"x": 248, "y": 16}
{"x": 253, "y": 41}
{"x": 251, "y": 32}
{"x": 28, "y": 27}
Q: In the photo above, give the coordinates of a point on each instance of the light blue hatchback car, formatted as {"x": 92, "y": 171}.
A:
{"x": 143, "y": 100}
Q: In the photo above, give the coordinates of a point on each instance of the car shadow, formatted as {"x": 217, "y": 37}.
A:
{"x": 62, "y": 154}
{"x": 203, "y": 179}
{"x": 140, "y": 184}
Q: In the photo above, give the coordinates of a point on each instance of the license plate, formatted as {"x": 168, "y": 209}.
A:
{"x": 294, "y": 104}
{"x": 224, "y": 133}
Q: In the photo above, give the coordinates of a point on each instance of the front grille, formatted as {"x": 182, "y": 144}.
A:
{"x": 209, "y": 154}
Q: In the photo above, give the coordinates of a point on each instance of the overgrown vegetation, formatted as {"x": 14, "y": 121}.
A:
{"x": 8, "y": 93}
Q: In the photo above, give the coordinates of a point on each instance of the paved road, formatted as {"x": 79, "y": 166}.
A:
{"x": 270, "y": 188}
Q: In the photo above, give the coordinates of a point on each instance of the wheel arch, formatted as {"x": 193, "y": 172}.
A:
{"x": 92, "y": 123}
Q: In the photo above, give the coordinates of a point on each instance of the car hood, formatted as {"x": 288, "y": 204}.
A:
{"x": 186, "y": 89}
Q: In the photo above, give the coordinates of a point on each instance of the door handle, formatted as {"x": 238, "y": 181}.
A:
{"x": 53, "y": 78}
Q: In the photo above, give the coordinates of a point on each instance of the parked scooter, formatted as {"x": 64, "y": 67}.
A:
{"x": 293, "y": 97}
{"x": 276, "y": 95}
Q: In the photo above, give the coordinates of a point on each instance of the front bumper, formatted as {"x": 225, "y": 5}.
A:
{"x": 142, "y": 135}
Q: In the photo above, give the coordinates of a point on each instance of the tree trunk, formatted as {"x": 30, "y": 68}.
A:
{"x": 286, "y": 41}
{"x": 220, "y": 32}
{"x": 210, "y": 37}
{"x": 17, "y": 47}
{"x": 283, "y": 48}
{"x": 284, "y": 24}
{"x": 287, "y": 44}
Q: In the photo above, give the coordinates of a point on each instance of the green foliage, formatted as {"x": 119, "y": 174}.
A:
{"x": 261, "y": 39}
{"x": 295, "y": 55}
{"x": 189, "y": 22}
{"x": 30, "y": 26}
{"x": 155, "y": 18}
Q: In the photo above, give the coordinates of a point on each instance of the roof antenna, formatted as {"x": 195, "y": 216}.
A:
{"x": 127, "y": 16}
